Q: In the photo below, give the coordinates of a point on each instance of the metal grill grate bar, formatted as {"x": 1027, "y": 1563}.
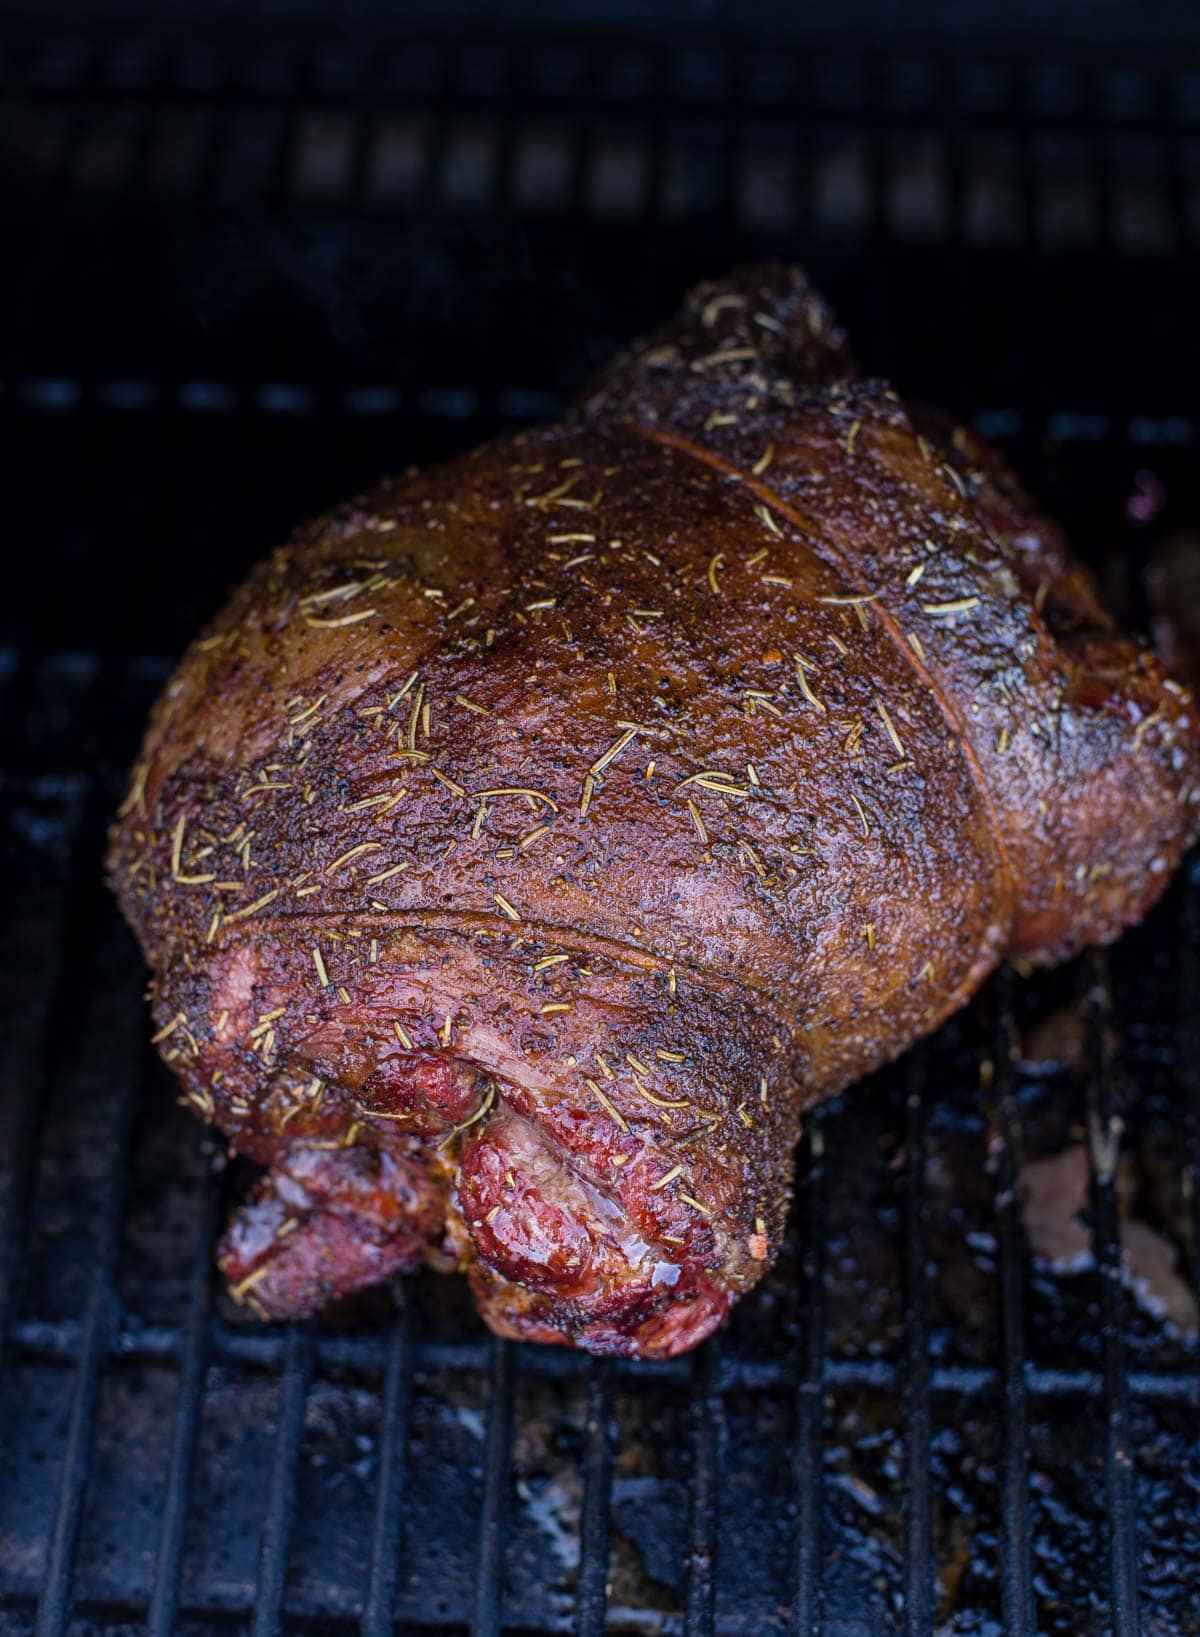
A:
{"x": 281, "y": 185}
{"x": 918, "y": 1508}
{"x": 591, "y": 1596}
{"x": 32, "y": 979}
{"x": 1016, "y": 1578}
{"x": 953, "y": 138}
{"x": 489, "y": 1576}
{"x": 1178, "y": 213}
{"x": 111, "y": 1054}
{"x": 377, "y": 1620}
{"x": 699, "y": 1582}
{"x": 1027, "y": 165}
{"x": 439, "y": 105}
{"x": 281, "y": 1500}
{"x": 504, "y": 163}
{"x": 138, "y": 178}
{"x": 168, "y": 1567}
{"x": 1103, "y": 1145}
{"x": 807, "y": 1612}
{"x": 1099, "y": 164}
{"x": 54, "y": 1604}
{"x": 1188, "y": 1055}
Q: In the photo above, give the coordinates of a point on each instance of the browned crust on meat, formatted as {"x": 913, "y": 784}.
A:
{"x": 652, "y": 776}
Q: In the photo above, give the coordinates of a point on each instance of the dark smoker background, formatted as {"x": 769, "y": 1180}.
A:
{"x": 253, "y": 258}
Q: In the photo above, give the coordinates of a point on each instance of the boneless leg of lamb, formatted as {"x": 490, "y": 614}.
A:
{"x": 530, "y": 842}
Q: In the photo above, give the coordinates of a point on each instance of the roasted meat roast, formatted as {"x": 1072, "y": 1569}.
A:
{"x": 530, "y": 842}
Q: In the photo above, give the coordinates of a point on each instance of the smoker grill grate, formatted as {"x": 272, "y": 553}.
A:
{"x": 910, "y": 1426}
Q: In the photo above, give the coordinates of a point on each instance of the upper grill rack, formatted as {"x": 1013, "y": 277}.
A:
{"x": 894, "y": 1430}
{"x": 404, "y": 231}
{"x": 671, "y": 127}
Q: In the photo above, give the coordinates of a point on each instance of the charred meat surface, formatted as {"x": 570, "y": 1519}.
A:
{"x": 531, "y": 841}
